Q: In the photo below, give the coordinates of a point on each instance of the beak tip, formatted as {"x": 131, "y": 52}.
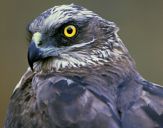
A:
{"x": 30, "y": 63}
{"x": 33, "y": 54}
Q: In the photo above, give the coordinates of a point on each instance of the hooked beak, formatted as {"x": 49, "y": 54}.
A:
{"x": 34, "y": 54}
{"x": 37, "y": 53}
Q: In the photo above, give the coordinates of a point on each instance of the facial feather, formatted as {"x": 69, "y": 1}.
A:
{"x": 97, "y": 43}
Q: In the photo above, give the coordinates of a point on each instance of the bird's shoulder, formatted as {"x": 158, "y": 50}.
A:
{"x": 62, "y": 99}
{"x": 76, "y": 94}
{"x": 141, "y": 104}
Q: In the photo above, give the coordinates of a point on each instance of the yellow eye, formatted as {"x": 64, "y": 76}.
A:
{"x": 70, "y": 31}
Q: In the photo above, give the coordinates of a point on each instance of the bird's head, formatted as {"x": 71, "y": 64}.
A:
{"x": 70, "y": 36}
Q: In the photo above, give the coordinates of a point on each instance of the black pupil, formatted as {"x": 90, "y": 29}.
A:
{"x": 69, "y": 30}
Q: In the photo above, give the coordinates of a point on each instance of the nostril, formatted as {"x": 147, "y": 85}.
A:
{"x": 40, "y": 43}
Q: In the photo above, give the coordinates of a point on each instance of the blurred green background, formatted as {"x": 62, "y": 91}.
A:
{"x": 141, "y": 29}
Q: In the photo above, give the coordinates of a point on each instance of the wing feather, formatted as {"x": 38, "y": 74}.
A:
{"x": 144, "y": 108}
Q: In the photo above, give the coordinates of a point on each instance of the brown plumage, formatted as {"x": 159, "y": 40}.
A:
{"x": 83, "y": 79}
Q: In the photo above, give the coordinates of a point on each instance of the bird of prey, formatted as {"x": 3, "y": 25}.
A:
{"x": 81, "y": 75}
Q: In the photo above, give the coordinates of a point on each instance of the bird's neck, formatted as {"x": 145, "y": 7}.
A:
{"x": 113, "y": 73}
